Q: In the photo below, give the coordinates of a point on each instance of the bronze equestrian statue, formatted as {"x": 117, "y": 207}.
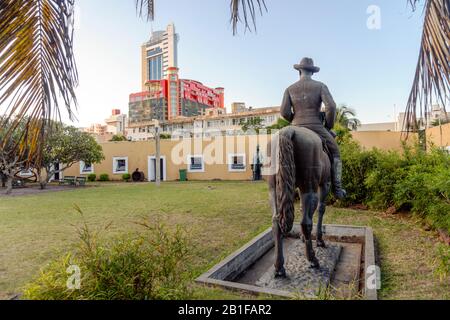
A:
{"x": 298, "y": 152}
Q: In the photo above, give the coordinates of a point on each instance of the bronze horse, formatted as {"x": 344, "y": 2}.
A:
{"x": 301, "y": 162}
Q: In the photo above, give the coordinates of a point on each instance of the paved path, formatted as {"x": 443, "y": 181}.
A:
{"x": 35, "y": 189}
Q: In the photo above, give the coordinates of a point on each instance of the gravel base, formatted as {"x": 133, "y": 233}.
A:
{"x": 301, "y": 279}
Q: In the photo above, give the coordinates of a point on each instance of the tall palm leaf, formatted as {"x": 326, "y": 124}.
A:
{"x": 146, "y": 8}
{"x": 37, "y": 68}
{"x": 432, "y": 77}
{"x": 248, "y": 8}
{"x": 346, "y": 117}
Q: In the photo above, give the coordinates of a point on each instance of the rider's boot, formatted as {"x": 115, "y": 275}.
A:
{"x": 336, "y": 171}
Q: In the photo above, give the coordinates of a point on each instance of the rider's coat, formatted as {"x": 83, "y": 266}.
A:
{"x": 302, "y": 104}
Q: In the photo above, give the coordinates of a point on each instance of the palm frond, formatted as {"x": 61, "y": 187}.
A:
{"x": 346, "y": 117}
{"x": 37, "y": 67}
{"x": 432, "y": 78}
{"x": 249, "y": 10}
{"x": 146, "y": 8}
{"x": 413, "y": 3}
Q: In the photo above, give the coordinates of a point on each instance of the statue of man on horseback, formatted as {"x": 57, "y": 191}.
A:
{"x": 306, "y": 157}
{"x": 302, "y": 103}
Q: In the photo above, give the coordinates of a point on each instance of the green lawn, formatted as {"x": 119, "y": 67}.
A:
{"x": 219, "y": 218}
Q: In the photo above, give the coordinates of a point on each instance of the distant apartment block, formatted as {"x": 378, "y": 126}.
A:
{"x": 117, "y": 123}
{"x": 170, "y": 98}
{"x": 159, "y": 54}
{"x": 238, "y": 107}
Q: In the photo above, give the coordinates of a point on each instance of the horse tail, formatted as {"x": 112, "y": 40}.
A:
{"x": 285, "y": 181}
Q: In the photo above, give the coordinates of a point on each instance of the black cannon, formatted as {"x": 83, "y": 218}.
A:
{"x": 138, "y": 176}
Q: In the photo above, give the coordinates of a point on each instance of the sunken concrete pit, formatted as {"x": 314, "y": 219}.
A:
{"x": 350, "y": 250}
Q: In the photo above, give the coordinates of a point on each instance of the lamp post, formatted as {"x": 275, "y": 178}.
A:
{"x": 158, "y": 154}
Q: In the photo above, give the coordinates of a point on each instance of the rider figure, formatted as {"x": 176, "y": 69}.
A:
{"x": 301, "y": 106}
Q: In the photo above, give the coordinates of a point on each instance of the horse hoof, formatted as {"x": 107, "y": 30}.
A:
{"x": 321, "y": 243}
{"x": 280, "y": 274}
{"x": 340, "y": 194}
{"x": 314, "y": 264}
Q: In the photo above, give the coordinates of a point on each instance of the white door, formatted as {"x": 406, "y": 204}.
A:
{"x": 152, "y": 168}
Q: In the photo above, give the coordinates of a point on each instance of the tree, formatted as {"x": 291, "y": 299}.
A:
{"x": 253, "y": 124}
{"x": 38, "y": 71}
{"x": 432, "y": 77}
{"x": 439, "y": 122}
{"x": 13, "y": 153}
{"x": 346, "y": 117}
{"x": 118, "y": 138}
{"x": 66, "y": 145}
{"x": 281, "y": 123}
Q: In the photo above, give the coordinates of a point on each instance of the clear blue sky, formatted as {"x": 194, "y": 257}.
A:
{"x": 370, "y": 70}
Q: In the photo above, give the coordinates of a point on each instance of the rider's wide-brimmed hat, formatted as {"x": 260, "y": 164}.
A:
{"x": 307, "y": 64}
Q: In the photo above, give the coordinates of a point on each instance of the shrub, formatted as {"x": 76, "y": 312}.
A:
{"x": 126, "y": 177}
{"x": 414, "y": 180}
{"x": 356, "y": 165}
{"x": 425, "y": 188}
{"x": 92, "y": 177}
{"x": 103, "y": 177}
{"x": 146, "y": 266}
{"x": 442, "y": 262}
{"x": 165, "y": 136}
{"x": 381, "y": 181}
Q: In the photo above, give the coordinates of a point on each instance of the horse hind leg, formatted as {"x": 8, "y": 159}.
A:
{"x": 309, "y": 205}
{"x": 324, "y": 190}
{"x": 280, "y": 271}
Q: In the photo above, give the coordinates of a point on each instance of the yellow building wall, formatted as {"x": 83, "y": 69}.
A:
{"x": 216, "y": 153}
{"x": 439, "y": 136}
{"x": 383, "y": 140}
{"x": 216, "y": 166}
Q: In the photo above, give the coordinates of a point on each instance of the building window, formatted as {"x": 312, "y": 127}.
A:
{"x": 154, "y": 68}
{"x": 154, "y": 52}
{"x": 86, "y": 168}
{"x": 237, "y": 163}
{"x": 196, "y": 163}
{"x": 120, "y": 165}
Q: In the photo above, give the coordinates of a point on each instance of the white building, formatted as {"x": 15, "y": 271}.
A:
{"x": 432, "y": 118}
{"x": 212, "y": 124}
{"x": 117, "y": 123}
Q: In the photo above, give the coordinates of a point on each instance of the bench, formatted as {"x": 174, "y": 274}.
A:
{"x": 81, "y": 181}
{"x": 71, "y": 181}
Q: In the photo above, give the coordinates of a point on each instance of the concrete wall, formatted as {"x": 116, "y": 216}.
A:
{"x": 439, "y": 136}
{"x": 383, "y": 140}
